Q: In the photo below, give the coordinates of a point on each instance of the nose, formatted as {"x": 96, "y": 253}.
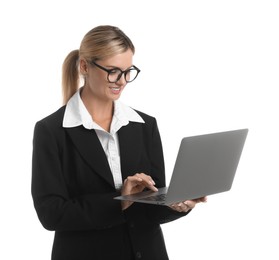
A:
{"x": 121, "y": 80}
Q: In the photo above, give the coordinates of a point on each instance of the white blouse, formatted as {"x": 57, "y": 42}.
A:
{"x": 76, "y": 114}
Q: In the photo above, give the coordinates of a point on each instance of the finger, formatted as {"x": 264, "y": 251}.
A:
{"x": 145, "y": 178}
{"x": 193, "y": 202}
{"x": 151, "y": 187}
{"x": 175, "y": 207}
{"x": 190, "y": 204}
{"x": 202, "y": 199}
{"x": 147, "y": 181}
{"x": 134, "y": 179}
{"x": 180, "y": 207}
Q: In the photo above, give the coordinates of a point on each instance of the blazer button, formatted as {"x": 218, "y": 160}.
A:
{"x": 138, "y": 255}
{"x": 132, "y": 224}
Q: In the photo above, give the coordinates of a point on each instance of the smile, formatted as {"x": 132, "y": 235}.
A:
{"x": 115, "y": 90}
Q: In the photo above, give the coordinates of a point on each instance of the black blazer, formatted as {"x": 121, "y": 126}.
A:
{"x": 73, "y": 190}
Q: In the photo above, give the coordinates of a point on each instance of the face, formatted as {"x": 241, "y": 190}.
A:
{"x": 97, "y": 84}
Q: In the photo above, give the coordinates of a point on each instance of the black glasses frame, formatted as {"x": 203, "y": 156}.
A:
{"x": 125, "y": 72}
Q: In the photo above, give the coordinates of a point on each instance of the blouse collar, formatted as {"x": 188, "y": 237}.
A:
{"x": 76, "y": 114}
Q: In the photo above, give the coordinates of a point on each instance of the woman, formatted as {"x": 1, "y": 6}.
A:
{"x": 95, "y": 148}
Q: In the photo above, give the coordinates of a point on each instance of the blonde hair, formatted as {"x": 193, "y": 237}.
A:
{"x": 99, "y": 43}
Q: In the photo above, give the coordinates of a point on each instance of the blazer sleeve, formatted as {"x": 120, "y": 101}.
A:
{"x": 55, "y": 208}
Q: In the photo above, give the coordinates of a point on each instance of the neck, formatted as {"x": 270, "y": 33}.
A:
{"x": 101, "y": 111}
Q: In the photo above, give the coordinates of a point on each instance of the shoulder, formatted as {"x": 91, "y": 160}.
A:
{"x": 54, "y": 119}
{"x": 148, "y": 119}
{"x": 150, "y": 125}
{"x": 51, "y": 123}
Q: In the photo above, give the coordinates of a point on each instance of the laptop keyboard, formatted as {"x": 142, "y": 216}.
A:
{"x": 159, "y": 197}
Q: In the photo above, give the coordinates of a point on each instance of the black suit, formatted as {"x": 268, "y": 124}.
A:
{"x": 73, "y": 190}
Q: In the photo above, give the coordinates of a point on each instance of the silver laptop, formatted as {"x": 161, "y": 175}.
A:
{"x": 205, "y": 165}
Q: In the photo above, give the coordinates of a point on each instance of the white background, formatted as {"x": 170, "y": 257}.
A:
{"x": 206, "y": 66}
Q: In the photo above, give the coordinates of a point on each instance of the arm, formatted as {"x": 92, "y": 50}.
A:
{"x": 56, "y": 209}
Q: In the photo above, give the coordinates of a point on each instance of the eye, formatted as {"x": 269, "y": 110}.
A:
{"x": 114, "y": 71}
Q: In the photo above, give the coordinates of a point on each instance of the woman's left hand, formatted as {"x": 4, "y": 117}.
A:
{"x": 187, "y": 205}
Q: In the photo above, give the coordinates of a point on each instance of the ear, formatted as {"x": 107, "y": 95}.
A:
{"x": 83, "y": 66}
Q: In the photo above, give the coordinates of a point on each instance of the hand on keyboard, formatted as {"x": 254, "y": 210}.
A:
{"x": 134, "y": 184}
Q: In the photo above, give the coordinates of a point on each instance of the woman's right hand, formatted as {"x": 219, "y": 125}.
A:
{"x": 134, "y": 184}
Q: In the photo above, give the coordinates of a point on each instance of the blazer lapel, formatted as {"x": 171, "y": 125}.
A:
{"x": 90, "y": 148}
{"x": 130, "y": 142}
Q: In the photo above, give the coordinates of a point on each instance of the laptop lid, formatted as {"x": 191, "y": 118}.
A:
{"x": 206, "y": 164}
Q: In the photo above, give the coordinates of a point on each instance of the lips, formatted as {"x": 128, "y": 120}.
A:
{"x": 115, "y": 90}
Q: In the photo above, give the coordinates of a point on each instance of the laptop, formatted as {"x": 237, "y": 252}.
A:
{"x": 205, "y": 165}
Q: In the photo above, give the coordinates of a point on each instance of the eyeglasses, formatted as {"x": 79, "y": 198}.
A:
{"x": 115, "y": 74}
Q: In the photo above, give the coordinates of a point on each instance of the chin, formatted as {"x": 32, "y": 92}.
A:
{"x": 116, "y": 97}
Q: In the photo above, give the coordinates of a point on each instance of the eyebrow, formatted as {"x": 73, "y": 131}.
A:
{"x": 115, "y": 67}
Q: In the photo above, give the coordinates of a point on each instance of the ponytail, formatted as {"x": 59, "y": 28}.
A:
{"x": 70, "y": 75}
